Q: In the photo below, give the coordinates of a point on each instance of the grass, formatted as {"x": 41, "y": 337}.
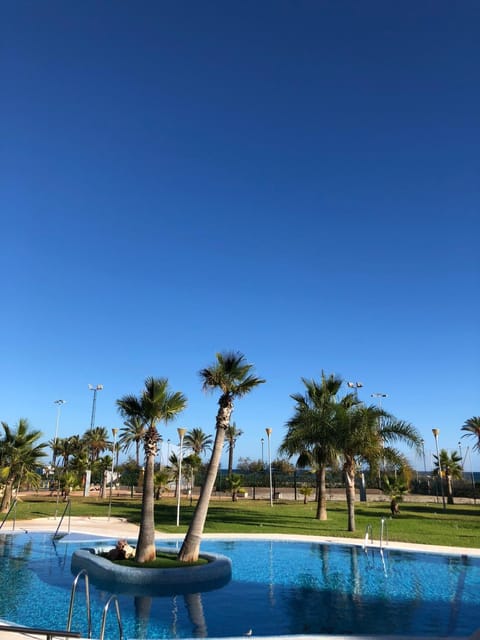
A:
{"x": 423, "y": 523}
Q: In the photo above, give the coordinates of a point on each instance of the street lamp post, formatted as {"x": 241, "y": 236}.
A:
{"x": 262, "y": 440}
{"x": 181, "y": 433}
{"x": 435, "y": 435}
{"x": 425, "y": 466}
{"x": 59, "y": 404}
{"x": 268, "y": 431}
{"x": 114, "y": 432}
{"x": 168, "y": 451}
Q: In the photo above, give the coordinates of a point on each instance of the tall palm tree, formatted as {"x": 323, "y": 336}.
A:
{"x": 231, "y": 436}
{"x": 311, "y": 432}
{"x": 198, "y": 441}
{"x": 155, "y": 404}
{"x": 363, "y": 438}
{"x": 20, "y": 455}
{"x": 472, "y": 427}
{"x": 132, "y": 432}
{"x": 231, "y": 374}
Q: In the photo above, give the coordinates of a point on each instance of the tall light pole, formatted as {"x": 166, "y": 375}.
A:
{"x": 168, "y": 451}
{"x": 95, "y": 388}
{"x": 181, "y": 433}
{"x": 356, "y": 386}
{"x": 268, "y": 431}
{"x": 262, "y": 440}
{"x": 59, "y": 404}
{"x": 379, "y": 397}
{"x": 114, "y": 432}
{"x": 435, "y": 435}
{"x": 88, "y": 472}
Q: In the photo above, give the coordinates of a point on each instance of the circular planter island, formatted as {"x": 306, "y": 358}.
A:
{"x": 104, "y": 573}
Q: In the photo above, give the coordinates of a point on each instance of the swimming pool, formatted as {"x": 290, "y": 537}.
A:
{"x": 276, "y": 588}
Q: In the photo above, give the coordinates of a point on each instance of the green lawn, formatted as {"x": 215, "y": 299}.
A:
{"x": 418, "y": 523}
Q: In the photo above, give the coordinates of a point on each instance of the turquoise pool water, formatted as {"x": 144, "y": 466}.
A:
{"x": 277, "y": 588}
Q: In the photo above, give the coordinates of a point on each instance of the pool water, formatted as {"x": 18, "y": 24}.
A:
{"x": 277, "y": 588}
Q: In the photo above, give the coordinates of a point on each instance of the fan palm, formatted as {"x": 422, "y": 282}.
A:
{"x": 311, "y": 432}
{"x": 155, "y": 404}
{"x": 20, "y": 456}
{"x": 198, "y": 441}
{"x": 362, "y": 437}
{"x": 449, "y": 470}
{"x": 232, "y": 376}
{"x": 96, "y": 441}
{"x": 472, "y": 427}
{"x": 132, "y": 433}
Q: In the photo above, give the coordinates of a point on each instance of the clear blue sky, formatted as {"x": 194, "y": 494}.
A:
{"x": 298, "y": 181}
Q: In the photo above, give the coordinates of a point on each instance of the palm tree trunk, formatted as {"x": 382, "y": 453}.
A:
{"x": 230, "y": 458}
{"x": 146, "y": 538}
{"x": 7, "y": 496}
{"x": 322, "y": 494}
{"x": 191, "y": 545}
{"x": 349, "y": 471}
{"x": 450, "y": 499}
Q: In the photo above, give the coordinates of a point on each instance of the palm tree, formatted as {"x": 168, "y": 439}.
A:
{"x": 132, "y": 432}
{"x": 450, "y": 469}
{"x": 363, "y": 437}
{"x": 198, "y": 441}
{"x": 311, "y": 432}
{"x": 231, "y": 436}
{"x": 96, "y": 441}
{"x": 155, "y": 404}
{"x": 472, "y": 427}
{"x": 231, "y": 374}
{"x": 20, "y": 456}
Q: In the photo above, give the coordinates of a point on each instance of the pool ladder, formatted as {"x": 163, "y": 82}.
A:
{"x": 113, "y": 598}
{"x": 383, "y": 534}
{"x": 382, "y": 542}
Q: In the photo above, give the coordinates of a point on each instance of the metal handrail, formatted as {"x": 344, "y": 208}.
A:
{"x": 48, "y": 633}
{"x": 12, "y": 506}
{"x": 69, "y": 507}
{"x": 81, "y": 573}
{"x": 104, "y": 617}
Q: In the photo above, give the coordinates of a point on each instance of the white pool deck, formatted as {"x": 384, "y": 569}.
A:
{"x": 120, "y": 528}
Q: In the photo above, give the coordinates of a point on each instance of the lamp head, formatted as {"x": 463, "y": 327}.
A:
{"x": 268, "y": 431}
{"x": 435, "y": 433}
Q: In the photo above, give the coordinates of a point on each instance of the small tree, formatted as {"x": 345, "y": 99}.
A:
{"x": 306, "y": 492}
{"x": 234, "y": 485}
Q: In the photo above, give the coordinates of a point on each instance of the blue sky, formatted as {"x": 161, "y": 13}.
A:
{"x": 298, "y": 181}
